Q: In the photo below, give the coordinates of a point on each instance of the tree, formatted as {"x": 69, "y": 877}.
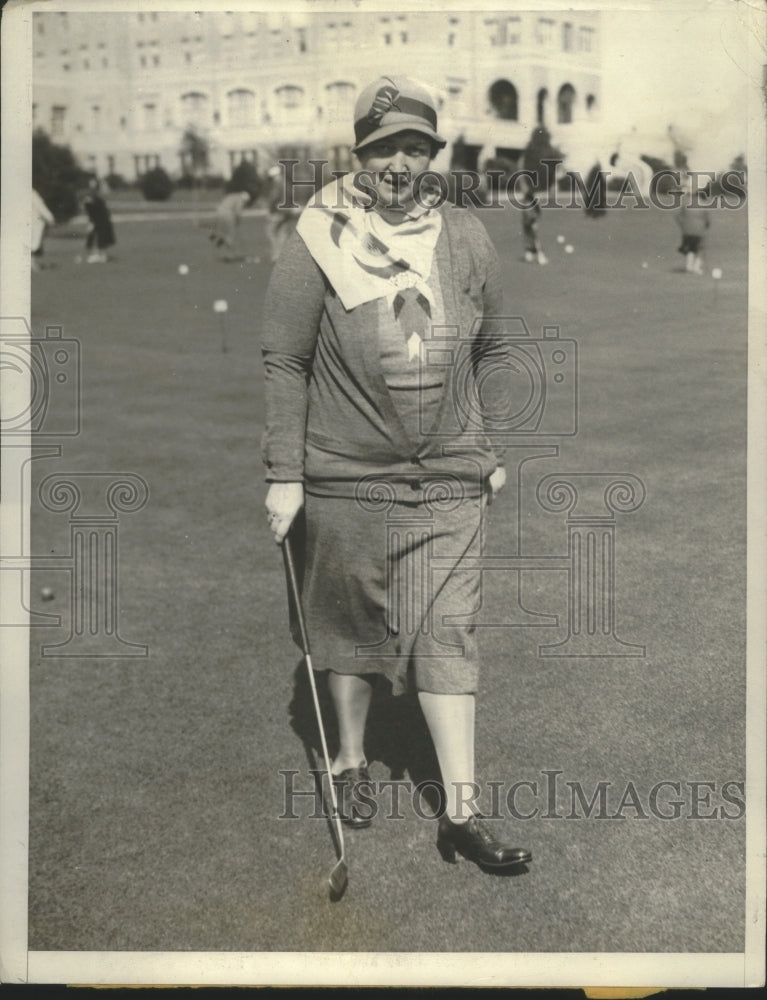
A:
{"x": 538, "y": 149}
{"x": 57, "y": 176}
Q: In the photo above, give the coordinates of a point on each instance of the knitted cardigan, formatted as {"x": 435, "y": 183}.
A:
{"x": 330, "y": 419}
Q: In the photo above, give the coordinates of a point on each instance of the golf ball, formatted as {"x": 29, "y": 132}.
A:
{"x": 560, "y": 239}
{"x": 569, "y": 248}
{"x": 716, "y": 273}
{"x": 183, "y": 269}
{"x": 220, "y": 306}
{"x": 47, "y": 594}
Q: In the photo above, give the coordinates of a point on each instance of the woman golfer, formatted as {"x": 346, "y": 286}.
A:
{"x": 378, "y": 369}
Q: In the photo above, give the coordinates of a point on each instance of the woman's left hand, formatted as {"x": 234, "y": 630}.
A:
{"x": 495, "y": 483}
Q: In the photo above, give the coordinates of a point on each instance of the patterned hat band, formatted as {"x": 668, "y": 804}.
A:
{"x": 418, "y": 113}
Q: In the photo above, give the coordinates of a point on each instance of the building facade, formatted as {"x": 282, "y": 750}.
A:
{"x": 122, "y": 88}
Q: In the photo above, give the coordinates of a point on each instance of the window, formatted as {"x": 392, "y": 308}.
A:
{"x": 301, "y": 39}
{"x": 58, "y": 117}
{"x": 40, "y": 26}
{"x": 241, "y": 108}
{"x": 86, "y": 64}
{"x": 543, "y": 96}
{"x": 503, "y": 98}
{"x": 544, "y": 31}
{"x": 567, "y": 37}
{"x": 195, "y": 108}
{"x": 289, "y": 97}
{"x": 150, "y": 117}
{"x": 339, "y": 100}
{"x": 142, "y": 164}
{"x": 155, "y": 60}
{"x": 513, "y": 30}
{"x": 585, "y": 39}
{"x": 104, "y": 62}
{"x": 143, "y": 61}
{"x": 96, "y": 118}
{"x": 275, "y": 42}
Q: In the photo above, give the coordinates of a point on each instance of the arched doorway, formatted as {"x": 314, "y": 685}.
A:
{"x": 503, "y": 98}
{"x": 565, "y": 102}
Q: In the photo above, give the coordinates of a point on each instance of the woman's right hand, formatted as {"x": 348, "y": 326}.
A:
{"x": 283, "y": 502}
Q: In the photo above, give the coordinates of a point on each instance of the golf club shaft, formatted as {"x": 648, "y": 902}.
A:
{"x": 296, "y": 593}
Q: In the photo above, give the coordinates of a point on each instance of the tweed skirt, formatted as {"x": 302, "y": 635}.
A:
{"x": 386, "y": 590}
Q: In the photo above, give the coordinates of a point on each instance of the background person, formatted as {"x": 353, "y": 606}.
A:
{"x": 101, "y": 235}
{"x": 694, "y": 222}
{"x": 226, "y": 227}
{"x": 358, "y": 422}
{"x": 41, "y": 217}
{"x": 531, "y": 215}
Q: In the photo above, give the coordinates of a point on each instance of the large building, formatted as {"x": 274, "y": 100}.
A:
{"x": 122, "y": 88}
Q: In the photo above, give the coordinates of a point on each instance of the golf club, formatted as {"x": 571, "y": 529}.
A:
{"x": 339, "y": 876}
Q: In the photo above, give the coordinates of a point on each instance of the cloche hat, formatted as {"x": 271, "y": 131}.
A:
{"x": 394, "y": 104}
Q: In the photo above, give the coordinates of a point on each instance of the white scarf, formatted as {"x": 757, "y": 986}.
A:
{"x": 363, "y": 257}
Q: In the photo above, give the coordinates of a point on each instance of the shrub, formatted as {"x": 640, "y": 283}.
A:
{"x": 156, "y": 185}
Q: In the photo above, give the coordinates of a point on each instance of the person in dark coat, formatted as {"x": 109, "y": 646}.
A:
{"x": 101, "y": 235}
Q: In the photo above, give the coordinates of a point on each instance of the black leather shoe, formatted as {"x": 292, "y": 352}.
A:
{"x": 474, "y": 841}
{"x": 354, "y": 793}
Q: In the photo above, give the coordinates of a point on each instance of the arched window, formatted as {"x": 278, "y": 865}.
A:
{"x": 503, "y": 97}
{"x": 196, "y": 108}
{"x": 289, "y": 97}
{"x": 241, "y": 107}
{"x": 565, "y": 101}
{"x": 591, "y": 103}
{"x": 540, "y": 113}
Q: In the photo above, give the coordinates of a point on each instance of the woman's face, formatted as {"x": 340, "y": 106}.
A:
{"x": 395, "y": 162}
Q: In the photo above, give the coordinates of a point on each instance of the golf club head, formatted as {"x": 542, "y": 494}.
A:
{"x": 338, "y": 880}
